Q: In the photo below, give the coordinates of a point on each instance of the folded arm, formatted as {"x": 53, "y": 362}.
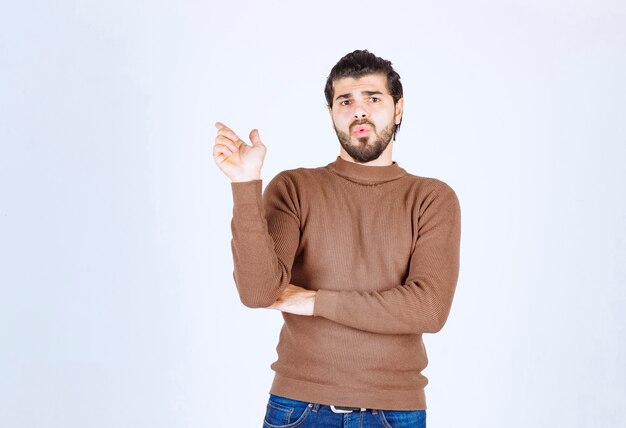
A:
{"x": 422, "y": 303}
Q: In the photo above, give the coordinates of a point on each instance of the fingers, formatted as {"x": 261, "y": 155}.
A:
{"x": 228, "y": 142}
{"x": 223, "y": 130}
{"x": 220, "y": 126}
{"x": 228, "y": 133}
{"x": 221, "y": 152}
{"x": 228, "y": 137}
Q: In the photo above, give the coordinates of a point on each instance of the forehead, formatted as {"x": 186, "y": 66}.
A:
{"x": 368, "y": 82}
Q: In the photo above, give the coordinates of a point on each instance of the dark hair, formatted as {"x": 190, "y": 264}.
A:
{"x": 359, "y": 63}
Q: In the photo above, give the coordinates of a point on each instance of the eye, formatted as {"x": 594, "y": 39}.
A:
{"x": 374, "y": 99}
{"x": 345, "y": 102}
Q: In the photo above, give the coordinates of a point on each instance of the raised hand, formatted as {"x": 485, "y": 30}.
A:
{"x": 238, "y": 160}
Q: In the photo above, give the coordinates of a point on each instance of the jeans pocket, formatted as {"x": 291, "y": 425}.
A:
{"x": 403, "y": 418}
{"x": 285, "y": 413}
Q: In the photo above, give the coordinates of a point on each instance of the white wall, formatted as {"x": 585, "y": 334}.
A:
{"x": 117, "y": 304}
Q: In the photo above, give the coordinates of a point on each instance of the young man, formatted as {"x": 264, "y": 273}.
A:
{"x": 361, "y": 258}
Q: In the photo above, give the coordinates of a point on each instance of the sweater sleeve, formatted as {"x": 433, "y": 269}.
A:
{"x": 266, "y": 234}
{"x": 422, "y": 303}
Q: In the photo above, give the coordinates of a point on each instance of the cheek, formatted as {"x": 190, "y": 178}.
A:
{"x": 383, "y": 118}
{"x": 392, "y": 116}
{"x": 341, "y": 120}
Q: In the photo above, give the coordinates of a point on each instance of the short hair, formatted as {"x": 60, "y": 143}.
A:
{"x": 359, "y": 63}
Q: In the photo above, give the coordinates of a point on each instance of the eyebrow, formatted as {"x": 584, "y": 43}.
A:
{"x": 343, "y": 96}
{"x": 368, "y": 93}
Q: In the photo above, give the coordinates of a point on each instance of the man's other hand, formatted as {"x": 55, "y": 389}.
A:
{"x": 238, "y": 160}
{"x": 295, "y": 300}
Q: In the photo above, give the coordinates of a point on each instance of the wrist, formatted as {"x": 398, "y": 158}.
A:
{"x": 244, "y": 179}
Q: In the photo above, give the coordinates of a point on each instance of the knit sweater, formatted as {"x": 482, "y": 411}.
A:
{"x": 381, "y": 248}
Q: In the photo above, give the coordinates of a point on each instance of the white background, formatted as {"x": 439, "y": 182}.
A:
{"x": 117, "y": 304}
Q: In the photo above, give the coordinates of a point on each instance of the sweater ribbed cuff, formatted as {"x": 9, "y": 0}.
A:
{"x": 246, "y": 192}
{"x": 325, "y": 304}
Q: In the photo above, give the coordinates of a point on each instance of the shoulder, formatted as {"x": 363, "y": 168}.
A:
{"x": 298, "y": 177}
{"x": 433, "y": 198}
{"x": 297, "y": 174}
{"x": 430, "y": 187}
{"x": 294, "y": 184}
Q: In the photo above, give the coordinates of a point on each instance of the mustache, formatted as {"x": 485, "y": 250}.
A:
{"x": 361, "y": 122}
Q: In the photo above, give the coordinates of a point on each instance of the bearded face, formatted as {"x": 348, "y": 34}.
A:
{"x": 365, "y": 116}
{"x": 364, "y": 143}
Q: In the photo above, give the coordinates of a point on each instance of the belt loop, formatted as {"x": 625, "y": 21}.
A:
{"x": 315, "y": 407}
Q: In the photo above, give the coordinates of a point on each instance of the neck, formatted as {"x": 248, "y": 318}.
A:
{"x": 384, "y": 159}
{"x": 366, "y": 174}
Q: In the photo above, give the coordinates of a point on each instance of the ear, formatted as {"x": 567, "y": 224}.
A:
{"x": 399, "y": 110}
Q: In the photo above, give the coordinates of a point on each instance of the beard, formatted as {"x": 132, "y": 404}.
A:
{"x": 366, "y": 150}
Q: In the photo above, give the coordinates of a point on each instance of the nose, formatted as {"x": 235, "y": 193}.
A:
{"x": 359, "y": 111}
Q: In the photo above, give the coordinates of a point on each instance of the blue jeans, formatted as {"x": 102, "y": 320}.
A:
{"x": 287, "y": 413}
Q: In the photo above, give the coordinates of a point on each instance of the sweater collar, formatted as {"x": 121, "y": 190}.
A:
{"x": 364, "y": 173}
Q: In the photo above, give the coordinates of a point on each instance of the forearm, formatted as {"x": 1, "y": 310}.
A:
{"x": 404, "y": 309}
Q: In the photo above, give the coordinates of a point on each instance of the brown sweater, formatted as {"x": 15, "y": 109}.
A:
{"x": 380, "y": 246}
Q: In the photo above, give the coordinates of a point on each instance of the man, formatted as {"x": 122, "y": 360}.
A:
{"x": 360, "y": 257}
